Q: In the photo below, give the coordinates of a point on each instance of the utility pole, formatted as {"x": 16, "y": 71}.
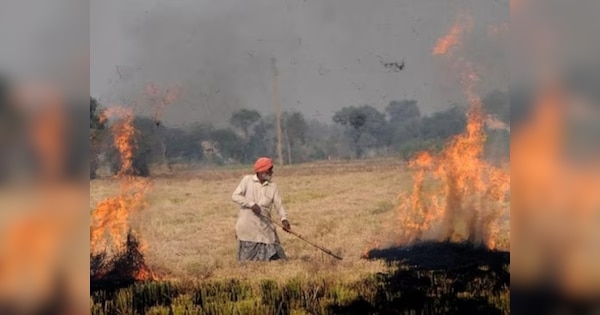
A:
{"x": 277, "y": 104}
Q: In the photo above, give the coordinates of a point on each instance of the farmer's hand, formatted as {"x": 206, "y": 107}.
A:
{"x": 286, "y": 225}
{"x": 256, "y": 209}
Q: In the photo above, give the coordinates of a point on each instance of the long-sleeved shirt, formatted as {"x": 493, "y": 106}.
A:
{"x": 249, "y": 226}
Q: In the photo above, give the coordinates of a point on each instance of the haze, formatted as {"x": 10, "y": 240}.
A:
{"x": 329, "y": 54}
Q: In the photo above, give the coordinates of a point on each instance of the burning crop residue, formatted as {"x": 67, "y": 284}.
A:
{"x": 457, "y": 196}
{"x": 115, "y": 251}
{"x": 469, "y": 194}
{"x": 447, "y": 231}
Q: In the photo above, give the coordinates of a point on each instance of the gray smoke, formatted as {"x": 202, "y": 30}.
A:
{"x": 330, "y": 54}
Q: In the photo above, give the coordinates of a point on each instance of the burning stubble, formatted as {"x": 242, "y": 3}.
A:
{"x": 468, "y": 195}
{"x": 110, "y": 233}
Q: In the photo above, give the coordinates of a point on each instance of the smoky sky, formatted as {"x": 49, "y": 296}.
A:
{"x": 329, "y": 54}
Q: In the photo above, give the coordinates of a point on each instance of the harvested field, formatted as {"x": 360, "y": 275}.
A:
{"x": 187, "y": 233}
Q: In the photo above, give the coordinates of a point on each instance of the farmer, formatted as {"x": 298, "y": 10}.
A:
{"x": 257, "y": 195}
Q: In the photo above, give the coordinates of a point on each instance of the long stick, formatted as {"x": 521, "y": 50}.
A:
{"x": 327, "y": 251}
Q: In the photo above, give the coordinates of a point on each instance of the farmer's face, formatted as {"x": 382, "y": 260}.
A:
{"x": 266, "y": 175}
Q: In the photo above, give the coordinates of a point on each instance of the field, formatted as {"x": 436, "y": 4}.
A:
{"x": 188, "y": 240}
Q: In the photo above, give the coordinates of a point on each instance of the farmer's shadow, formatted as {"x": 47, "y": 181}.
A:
{"x": 436, "y": 278}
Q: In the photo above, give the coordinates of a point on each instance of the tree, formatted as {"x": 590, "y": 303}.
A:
{"x": 183, "y": 145}
{"x": 401, "y": 111}
{"x": 442, "y": 125}
{"x": 263, "y": 141}
{"x": 228, "y": 143}
{"x": 360, "y": 122}
{"x": 404, "y": 125}
{"x": 244, "y": 119}
{"x": 295, "y": 128}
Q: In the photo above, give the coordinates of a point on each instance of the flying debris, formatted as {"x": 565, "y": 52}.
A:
{"x": 394, "y": 66}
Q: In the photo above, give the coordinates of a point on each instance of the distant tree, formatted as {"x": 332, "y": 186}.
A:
{"x": 401, "y": 111}
{"x": 200, "y": 132}
{"x": 228, "y": 143}
{"x": 263, "y": 141}
{"x": 183, "y": 145}
{"x": 359, "y": 122}
{"x": 406, "y": 131}
{"x": 294, "y": 129}
{"x": 244, "y": 119}
{"x": 444, "y": 124}
{"x": 326, "y": 141}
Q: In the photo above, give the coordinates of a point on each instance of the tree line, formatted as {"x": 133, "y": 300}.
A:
{"x": 355, "y": 132}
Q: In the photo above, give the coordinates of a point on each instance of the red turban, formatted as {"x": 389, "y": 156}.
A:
{"x": 263, "y": 164}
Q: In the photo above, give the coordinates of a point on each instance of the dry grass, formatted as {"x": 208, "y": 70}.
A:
{"x": 188, "y": 226}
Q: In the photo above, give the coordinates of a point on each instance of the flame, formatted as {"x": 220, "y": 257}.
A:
{"x": 144, "y": 272}
{"x": 110, "y": 218}
{"x": 456, "y": 195}
{"x": 111, "y": 215}
{"x": 468, "y": 194}
{"x": 453, "y": 38}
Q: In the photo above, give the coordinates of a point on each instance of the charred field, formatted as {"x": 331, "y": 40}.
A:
{"x": 425, "y": 278}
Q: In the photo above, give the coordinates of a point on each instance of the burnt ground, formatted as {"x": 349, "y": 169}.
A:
{"x": 442, "y": 256}
{"x": 119, "y": 271}
{"x": 438, "y": 278}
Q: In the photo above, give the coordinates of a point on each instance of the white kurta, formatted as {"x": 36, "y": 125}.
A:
{"x": 249, "y": 226}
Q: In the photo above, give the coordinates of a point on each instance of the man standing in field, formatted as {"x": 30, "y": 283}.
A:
{"x": 257, "y": 195}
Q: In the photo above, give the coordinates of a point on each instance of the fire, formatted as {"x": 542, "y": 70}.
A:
{"x": 457, "y": 196}
{"x": 454, "y": 36}
{"x": 468, "y": 194}
{"x": 124, "y": 140}
{"x": 110, "y": 219}
{"x": 111, "y": 215}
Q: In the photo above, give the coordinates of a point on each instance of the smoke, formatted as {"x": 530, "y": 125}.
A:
{"x": 330, "y": 54}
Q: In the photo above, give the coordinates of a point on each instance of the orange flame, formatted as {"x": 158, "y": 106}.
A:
{"x": 111, "y": 217}
{"x": 467, "y": 196}
{"x": 454, "y": 36}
